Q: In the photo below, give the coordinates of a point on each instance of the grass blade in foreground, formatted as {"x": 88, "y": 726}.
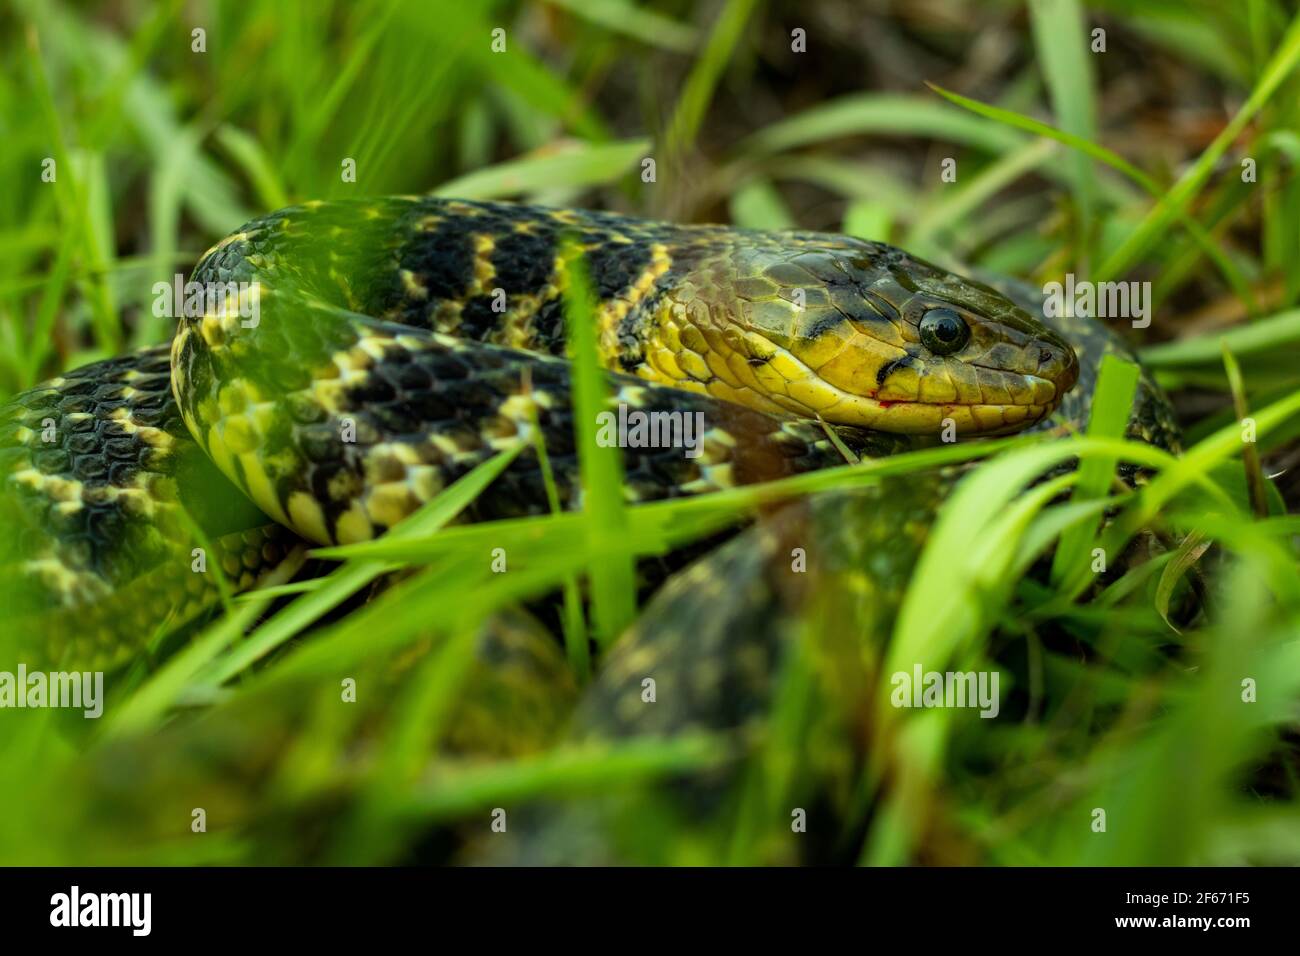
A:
{"x": 613, "y": 574}
{"x": 1111, "y": 403}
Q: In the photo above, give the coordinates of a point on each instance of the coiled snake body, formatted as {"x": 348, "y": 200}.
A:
{"x": 400, "y": 342}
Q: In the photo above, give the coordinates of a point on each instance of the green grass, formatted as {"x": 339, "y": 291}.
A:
{"x": 612, "y": 572}
{"x": 160, "y": 151}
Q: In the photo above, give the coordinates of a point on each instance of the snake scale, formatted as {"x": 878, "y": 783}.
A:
{"x": 401, "y": 342}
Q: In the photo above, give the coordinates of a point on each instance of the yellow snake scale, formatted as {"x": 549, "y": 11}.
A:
{"x": 400, "y": 342}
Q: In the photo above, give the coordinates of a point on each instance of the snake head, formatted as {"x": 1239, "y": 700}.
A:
{"x": 861, "y": 333}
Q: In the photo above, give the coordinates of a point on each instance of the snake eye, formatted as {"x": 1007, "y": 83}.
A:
{"x": 943, "y": 331}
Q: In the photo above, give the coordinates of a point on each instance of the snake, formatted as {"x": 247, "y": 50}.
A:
{"x": 401, "y": 342}
{"x": 362, "y": 356}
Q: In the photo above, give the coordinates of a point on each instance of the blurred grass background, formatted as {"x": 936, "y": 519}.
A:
{"x": 1122, "y": 164}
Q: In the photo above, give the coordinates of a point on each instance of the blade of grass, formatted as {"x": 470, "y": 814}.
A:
{"x": 419, "y": 717}
{"x": 73, "y": 206}
{"x": 583, "y": 768}
{"x": 436, "y": 601}
{"x": 1277, "y": 332}
{"x": 257, "y": 166}
{"x": 150, "y": 702}
{"x": 1193, "y": 467}
{"x": 1061, "y": 43}
{"x": 587, "y": 164}
{"x": 696, "y": 94}
{"x": 1111, "y": 404}
{"x": 613, "y": 575}
{"x": 1249, "y": 453}
{"x": 878, "y": 113}
{"x": 1189, "y": 551}
{"x": 1176, "y": 201}
{"x": 758, "y": 205}
{"x": 958, "y": 203}
{"x": 52, "y": 293}
{"x": 1230, "y": 272}
{"x": 640, "y": 23}
{"x": 867, "y": 220}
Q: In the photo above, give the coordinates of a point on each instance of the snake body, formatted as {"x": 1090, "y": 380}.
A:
{"x": 401, "y": 342}
{"x": 431, "y": 334}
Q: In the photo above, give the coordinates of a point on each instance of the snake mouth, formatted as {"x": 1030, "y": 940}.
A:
{"x": 912, "y": 417}
{"x": 905, "y": 414}
{"x": 909, "y": 398}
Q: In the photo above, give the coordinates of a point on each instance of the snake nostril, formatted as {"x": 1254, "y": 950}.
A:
{"x": 1044, "y": 356}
